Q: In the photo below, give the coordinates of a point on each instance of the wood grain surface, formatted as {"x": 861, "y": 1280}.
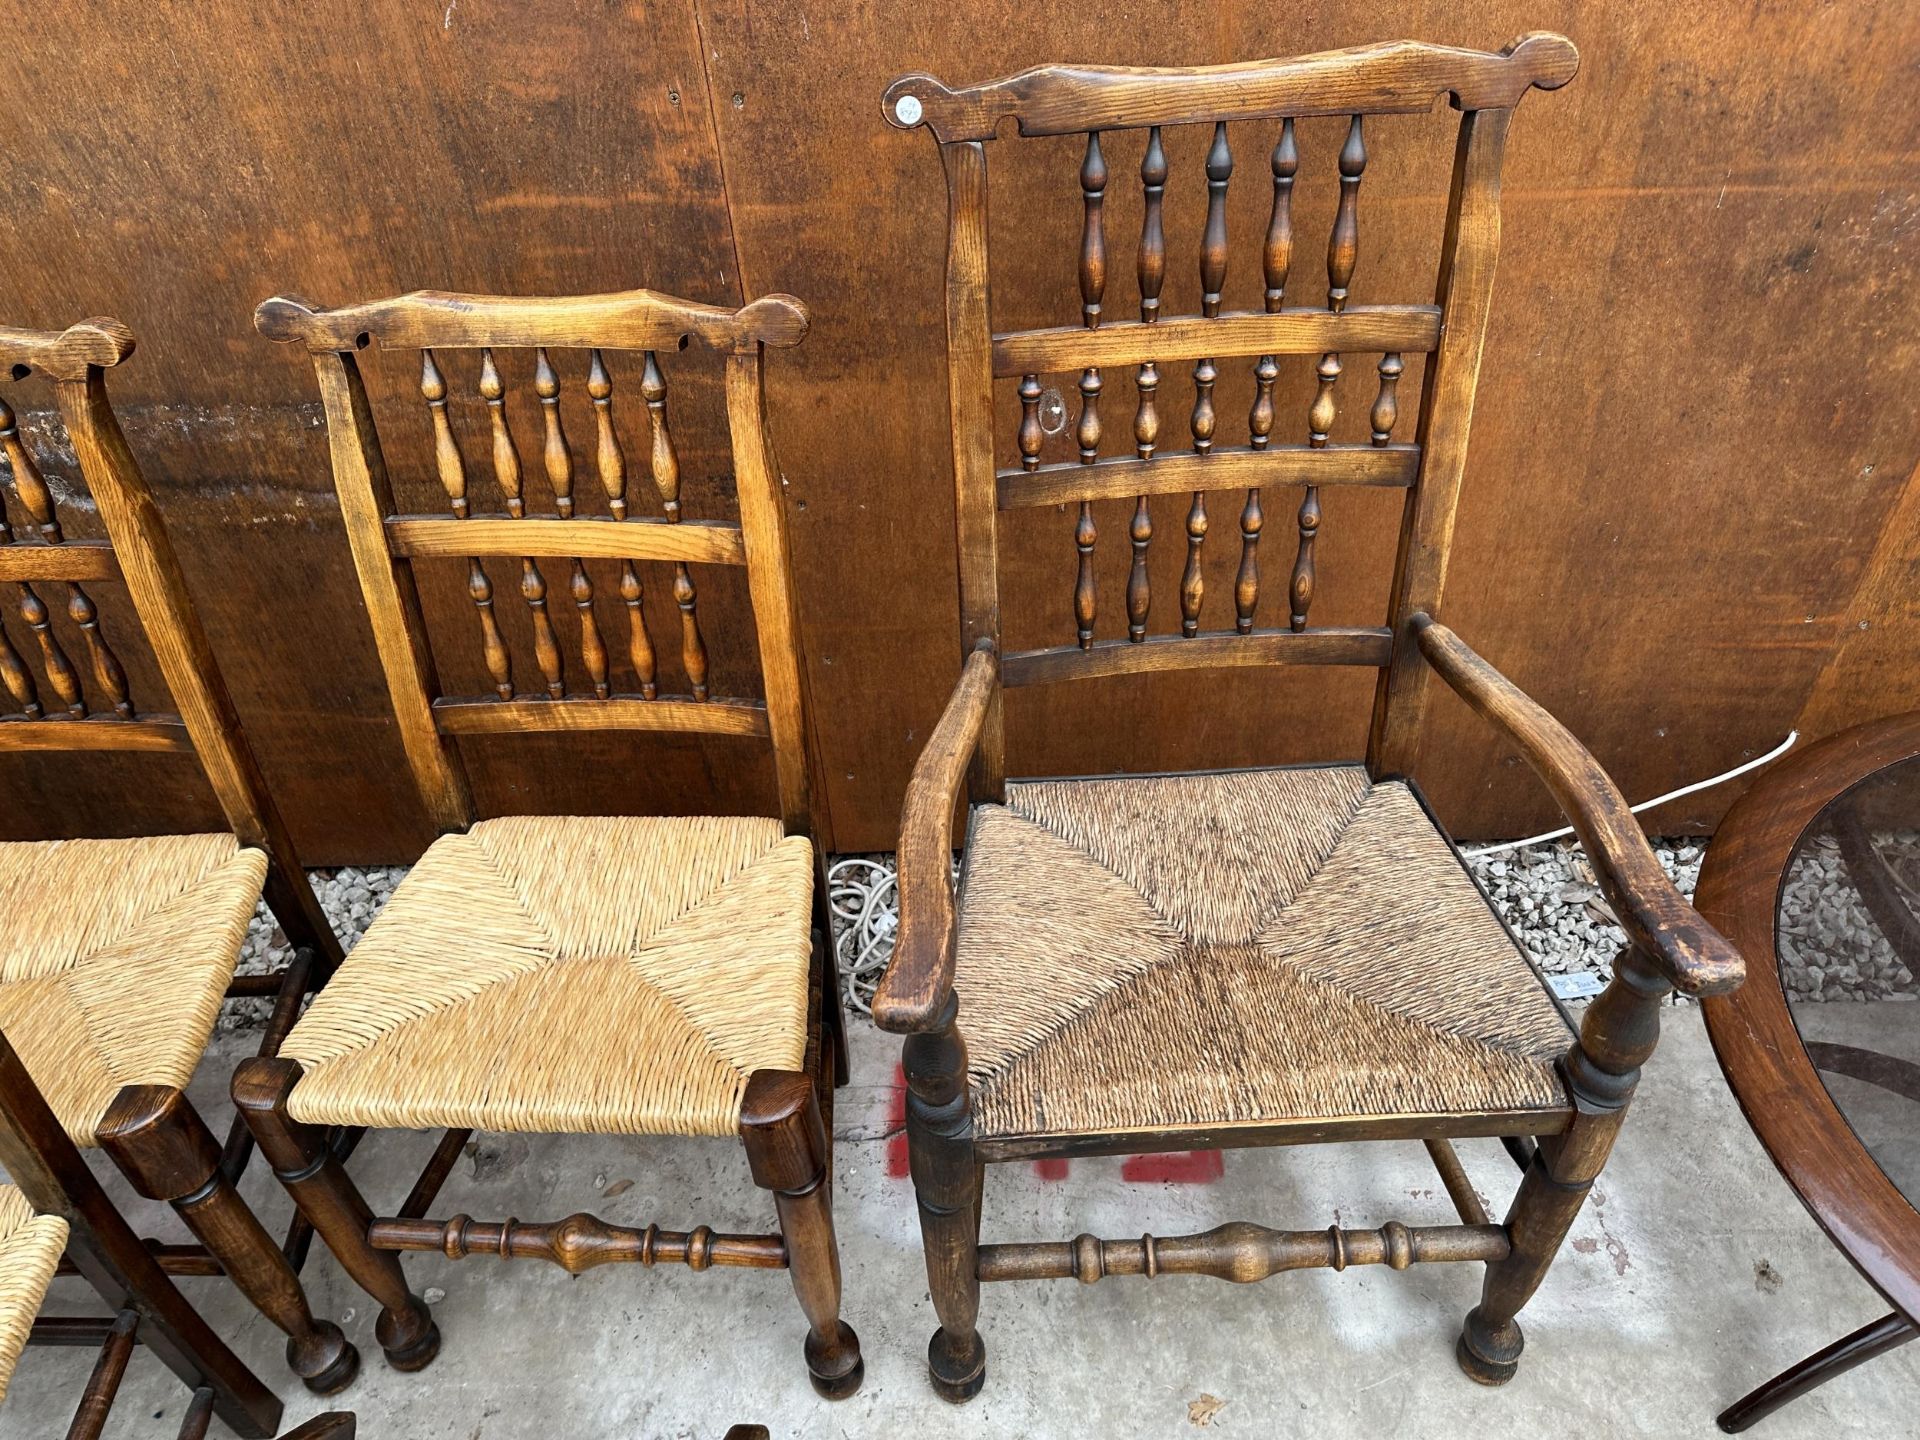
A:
{"x": 1680, "y": 526}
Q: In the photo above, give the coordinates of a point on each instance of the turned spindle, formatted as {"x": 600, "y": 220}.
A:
{"x": 1246, "y": 585}
{"x": 1192, "y": 583}
{"x": 1301, "y": 589}
{"x": 609, "y": 458}
{"x": 1343, "y": 246}
{"x": 1093, "y": 235}
{"x": 499, "y": 664}
{"x": 62, "y": 679}
{"x": 13, "y": 668}
{"x": 447, "y": 460}
{"x": 1386, "y": 406}
{"x": 666, "y": 478}
{"x": 107, "y": 673}
{"x": 1032, "y": 437}
{"x": 1277, "y": 257}
{"x": 639, "y": 641}
{"x": 555, "y": 453}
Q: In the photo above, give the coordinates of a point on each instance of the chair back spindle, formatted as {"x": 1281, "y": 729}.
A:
{"x": 1105, "y": 105}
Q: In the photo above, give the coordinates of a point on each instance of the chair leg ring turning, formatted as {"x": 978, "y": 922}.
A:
{"x": 161, "y": 1144}
{"x": 1488, "y": 1353}
{"x": 956, "y": 1371}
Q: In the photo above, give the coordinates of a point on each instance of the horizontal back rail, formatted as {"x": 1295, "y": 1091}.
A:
{"x": 1360, "y": 329}
{"x": 683, "y": 714}
{"x": 1327, "y": 645}
{"x": 636, "y": 538}
{"x": 1124, "y": 477}
{"x": 153, "y": 734}
{"x": 1394, "y": 77}
{"x": 621, "y": 320}
{"x": 68, "y": 560}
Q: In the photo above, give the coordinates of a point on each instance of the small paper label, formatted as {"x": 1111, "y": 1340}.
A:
{"x": 1581, "y": 985}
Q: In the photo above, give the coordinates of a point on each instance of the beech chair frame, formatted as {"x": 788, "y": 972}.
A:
{"x": 152, "y": 1132}
{"x": 134, "y": 1279}
{"x": 786, "y": 1121}
{"x": 1669, "y": 947}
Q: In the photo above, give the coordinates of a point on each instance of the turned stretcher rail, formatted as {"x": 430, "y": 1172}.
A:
{"x": 580, "y": 1242}
{"x": 1243, "y": 1252}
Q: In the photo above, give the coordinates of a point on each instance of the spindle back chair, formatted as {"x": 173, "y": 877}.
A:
{"x": 115, "y": 954}
{"x": 1274, "y": 956}
{"x": 682, "y": 968}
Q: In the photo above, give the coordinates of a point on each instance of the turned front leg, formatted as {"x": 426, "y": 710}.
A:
{"x": 333, "y": 1205}
{"x": 163, "y": 1146}
{"x": 1617, "y": 1035}
{"x": 946, "y": 1185}
{"x": 788, "y": 1153}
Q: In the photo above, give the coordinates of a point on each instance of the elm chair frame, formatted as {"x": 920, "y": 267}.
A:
{"x": 1561, "y": 1150}
{"x": 787, "y": 1116}
{"x": 152, "y": 1132}
{"x": 134, "y": 1279}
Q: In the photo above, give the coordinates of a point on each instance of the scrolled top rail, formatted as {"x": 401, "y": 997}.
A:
{"x": 64, "y": 354}
{"x": 620, "y": 320}
{"x": 1395, "y": 76}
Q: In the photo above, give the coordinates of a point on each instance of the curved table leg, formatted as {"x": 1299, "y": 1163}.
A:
{"x": 1887, "y": 1333}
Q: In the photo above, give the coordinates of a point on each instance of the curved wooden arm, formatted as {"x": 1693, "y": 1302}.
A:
{"x": 919, "y": 978}
{"x": 1695, "y": 957}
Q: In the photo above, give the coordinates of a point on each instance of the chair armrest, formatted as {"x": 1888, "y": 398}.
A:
{"x": 914, "y": 990}
{"x": 1690, "y": 953}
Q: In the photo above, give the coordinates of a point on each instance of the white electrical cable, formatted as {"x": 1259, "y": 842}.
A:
{"x": 1774, "y": 754}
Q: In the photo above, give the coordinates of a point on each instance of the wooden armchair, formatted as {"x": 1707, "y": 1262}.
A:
{"x": 1261, "y": 957}
{"x": 630, "y": 976}
{"x": 55, "y": 1219}
{"x": 116, "y": 954}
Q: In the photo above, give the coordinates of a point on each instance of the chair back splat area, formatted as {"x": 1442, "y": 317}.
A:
{"x": 84, "y": 702}
{"x": 630, "y": 675}
{"x": 1124, "y": 112}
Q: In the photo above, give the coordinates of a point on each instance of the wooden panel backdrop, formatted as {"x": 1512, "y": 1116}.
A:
{"x": 1683, "y": 526}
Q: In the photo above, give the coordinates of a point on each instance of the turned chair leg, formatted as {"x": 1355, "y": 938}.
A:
{"x": 946, "y": 1186}
{"x": 333, "y": 1205}
{"x": 1617, "y": 1036}
{"x": 163, "y": 1146}
{"x": 1541, "y": 1215}
{"x": 788, "y": 1149}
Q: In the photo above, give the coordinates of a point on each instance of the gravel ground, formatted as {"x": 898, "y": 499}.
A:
{"x": 1546, "y": 893}
{"x": 1830, "y": 949}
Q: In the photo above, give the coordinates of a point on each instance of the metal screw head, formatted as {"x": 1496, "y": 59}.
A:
{"x": 907, "y": 109}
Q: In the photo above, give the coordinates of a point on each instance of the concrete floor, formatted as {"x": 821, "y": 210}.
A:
{"x": 1693, "y": 1275}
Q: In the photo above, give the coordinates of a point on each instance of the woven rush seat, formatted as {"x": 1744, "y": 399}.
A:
{"x": 1257, "y": 946}
{"x": 114, "y": 957}
{"x": 570, "y": 975}
{"x": 30, "y": 1248}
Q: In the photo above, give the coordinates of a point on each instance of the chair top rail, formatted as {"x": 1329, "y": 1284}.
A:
{"x": 63, "y": 354}
{"x": 1401, "y": 76}
{"x": 619, "y": 320}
